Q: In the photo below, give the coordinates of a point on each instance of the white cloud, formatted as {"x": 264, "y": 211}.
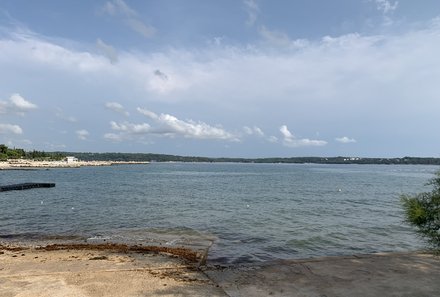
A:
{"x": 107, "y": 50}
{"x": 352, "y": 77}
{"x": 171, "y": 126}
{"x": 281, "y": 39}
{"x": 130, "y": 17}
{"x": 118, "y": 7}
{"x": 82, "y": 134}
{"x": 130, "y": 128}
{"x": 252, "y": 10}
{"x": 345, "y": 139}
{"x": 117, "y": 107}
{"x": 138, "y": 26}
{"x": 16, "y": 104}
{"x": 114, "y": 137}
{"x": 290, "y": 140}
{"x": 20, "y": 103}
{"x": 253, "y": 131}
{"x": 148, "y": 113}
{"x": 36, "y": 52}
{"x": 248, "y": 130}
{"x": 272, "y": 139}
{"x": 286, "y": 133}
{"x": 386, "y": 6}
{"x": 10, "y": 129}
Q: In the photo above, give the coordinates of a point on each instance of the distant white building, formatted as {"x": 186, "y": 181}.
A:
{"x": 71, "y": 159}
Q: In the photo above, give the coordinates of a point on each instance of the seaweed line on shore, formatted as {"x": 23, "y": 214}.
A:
{"x": 181, "y": 252}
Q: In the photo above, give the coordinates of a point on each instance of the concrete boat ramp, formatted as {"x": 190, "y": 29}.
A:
{"x": 376, "y": 275}
{"x": 90, "y": 273}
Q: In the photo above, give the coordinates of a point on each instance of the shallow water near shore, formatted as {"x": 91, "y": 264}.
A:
{"x": 250, "y": 212}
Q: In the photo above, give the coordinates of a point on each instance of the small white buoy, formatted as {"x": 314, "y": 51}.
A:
{"x": 41, "y": 202}
{"x": 247, "y": 205}
{"x": 73, "y": 207}
{"x": 339, "y": 190}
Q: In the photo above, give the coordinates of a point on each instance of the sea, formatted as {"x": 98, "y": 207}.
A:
{"x": 244, "y": 213}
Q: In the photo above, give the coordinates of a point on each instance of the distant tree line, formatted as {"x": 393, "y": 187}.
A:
{"x": 18, "y": 153}
{"x": 298, "y": 160}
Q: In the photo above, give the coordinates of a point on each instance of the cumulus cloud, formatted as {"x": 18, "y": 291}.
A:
{"x": 252, "y": 11}
{"x": 169, "y": 125}
{"x": 130, "y": 128}
{"x": 82, "y": 134}
{"x": 107, "y": 50}
{"x": 290, "y": 140}
{"x": 148, "y": 113}
{"x": 10, "y": 129}
{"x": 16, "y": 104}
{"x": 117, "y": 107}
{"x": 130, "y": 17}
{"x": 345, "y": 139}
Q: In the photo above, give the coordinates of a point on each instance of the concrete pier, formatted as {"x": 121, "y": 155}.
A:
{"x": 26, "y": 186}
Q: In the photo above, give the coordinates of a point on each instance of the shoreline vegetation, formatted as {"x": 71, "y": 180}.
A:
{"x": 149, "y": 157}
{"x": 17, "y": 157}
{"x": 110, "y": 159}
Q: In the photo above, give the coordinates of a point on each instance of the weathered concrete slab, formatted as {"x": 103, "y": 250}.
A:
{"x": 411, "y": 274}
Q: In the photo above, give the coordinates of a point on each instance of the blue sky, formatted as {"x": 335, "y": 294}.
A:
{"x": 235, "y": 78}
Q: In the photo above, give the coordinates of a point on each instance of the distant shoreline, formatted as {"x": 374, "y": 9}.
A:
{"x": 152, "y": 157}
{"x": 32, "y": 164}
{"x": 109, "y": 159}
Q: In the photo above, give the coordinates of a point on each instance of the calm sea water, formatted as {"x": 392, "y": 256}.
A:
{"x": 252, "y": 212}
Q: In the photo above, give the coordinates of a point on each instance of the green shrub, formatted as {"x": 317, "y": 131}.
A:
{"x": 423, "y": 212}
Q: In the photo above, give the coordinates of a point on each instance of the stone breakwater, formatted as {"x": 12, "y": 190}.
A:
{"x": 30, "y": 164}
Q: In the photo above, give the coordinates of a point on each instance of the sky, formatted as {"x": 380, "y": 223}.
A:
{"x": 230, "y": 78}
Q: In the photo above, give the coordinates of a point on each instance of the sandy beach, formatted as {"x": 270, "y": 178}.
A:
{"x": 99, "y": 272}
{"x": 31, "y": 164}
{"x": 90, "y": 272}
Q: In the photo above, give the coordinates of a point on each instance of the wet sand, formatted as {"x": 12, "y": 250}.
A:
{"x": 63, "y": 270}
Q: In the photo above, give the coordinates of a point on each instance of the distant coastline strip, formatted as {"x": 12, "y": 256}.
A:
{"x": 31, "y": 164}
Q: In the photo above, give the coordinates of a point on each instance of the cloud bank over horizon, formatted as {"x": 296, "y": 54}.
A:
{"x": 373, "y": 88}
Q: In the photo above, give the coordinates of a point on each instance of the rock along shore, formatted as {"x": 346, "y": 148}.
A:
{"x": 31, "y": 164}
